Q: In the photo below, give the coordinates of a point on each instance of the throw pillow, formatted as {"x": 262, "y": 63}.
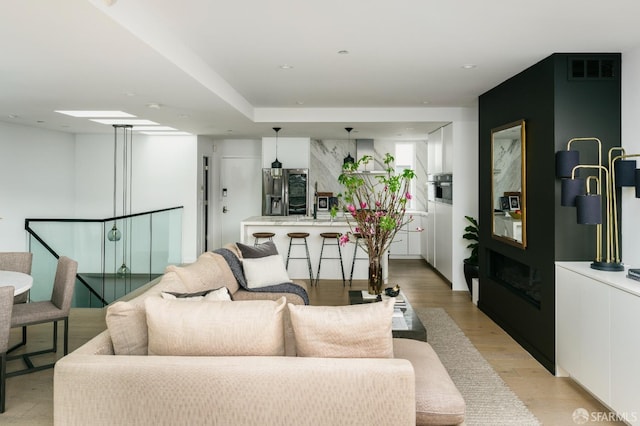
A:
{"x": 354, "y": 331}
{"x": 267, "y": 248}
{"x": 243, "y": 328}
{"x": 127, "y": 324}
{"x": 221, "y": 294}
{"x": 265, "y": 271}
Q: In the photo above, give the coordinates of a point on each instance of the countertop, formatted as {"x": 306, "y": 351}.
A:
{"x": 323, "y": 220}
{"x": 618, "y": 279}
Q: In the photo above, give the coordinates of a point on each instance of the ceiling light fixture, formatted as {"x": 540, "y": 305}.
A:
{"x": 132, "y": 122}
{"x": 469, "y": 66}
{"x": 276, "y": 166}
{"x": 343, "y": 52}
{"x": 286, "y": 67}
{"x": 348, "y": 159}
{"x": 154, "y": 105}
{"x": 96, "y": 114}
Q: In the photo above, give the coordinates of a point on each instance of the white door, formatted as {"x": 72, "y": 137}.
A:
{"x": 241, "y": 189}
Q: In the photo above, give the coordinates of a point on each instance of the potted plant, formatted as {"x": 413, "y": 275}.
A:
{"x": 471, "y": 262}
{"x": 375, "y": 206}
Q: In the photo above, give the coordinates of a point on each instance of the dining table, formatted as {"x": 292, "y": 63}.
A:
{"x": 19, "y": 280}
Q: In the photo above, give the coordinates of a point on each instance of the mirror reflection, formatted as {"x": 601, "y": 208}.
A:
{"x": 508, "y": 189}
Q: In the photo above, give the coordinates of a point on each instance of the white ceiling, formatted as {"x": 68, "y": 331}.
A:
{"x": 214, "y": 65}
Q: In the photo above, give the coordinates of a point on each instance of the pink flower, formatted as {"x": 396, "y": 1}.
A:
{"x": 419, "y": 229}
{"x": 408, "y": 196}
{"x": 344, "y": 239}
{"x": 378, "y": 203}
{"x": 363, "y": 205}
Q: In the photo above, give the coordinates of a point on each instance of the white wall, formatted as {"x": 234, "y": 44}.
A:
{"x": 36, "y": 180}
{"x": 465, "y": 193}
{"x": 631, "y": 143}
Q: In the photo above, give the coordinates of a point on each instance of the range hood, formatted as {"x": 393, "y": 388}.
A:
{"x": 365, "y": 147}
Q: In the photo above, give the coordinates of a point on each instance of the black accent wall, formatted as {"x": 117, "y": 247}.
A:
{"x": 561, "y": 97}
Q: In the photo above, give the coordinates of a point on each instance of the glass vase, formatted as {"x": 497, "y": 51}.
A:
{"x": 375, "y": 275}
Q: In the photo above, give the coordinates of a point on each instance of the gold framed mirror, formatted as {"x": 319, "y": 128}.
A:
{"x": 508, "y": 184}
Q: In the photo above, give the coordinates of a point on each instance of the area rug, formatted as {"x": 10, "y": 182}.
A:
{"x": 489, "y": 400}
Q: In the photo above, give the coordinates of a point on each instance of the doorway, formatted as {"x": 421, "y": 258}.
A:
{"x": 241, "y": 194}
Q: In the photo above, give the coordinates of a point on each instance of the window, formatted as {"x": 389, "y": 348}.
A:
{"x": 405, "y": 156}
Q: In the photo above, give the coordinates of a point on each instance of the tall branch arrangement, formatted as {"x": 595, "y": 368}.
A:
{"x": 376, "y": 203}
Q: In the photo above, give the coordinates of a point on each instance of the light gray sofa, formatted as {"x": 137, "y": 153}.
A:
{"x": 94, "y": 386}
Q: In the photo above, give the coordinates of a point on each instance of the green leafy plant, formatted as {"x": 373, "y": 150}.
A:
{"x": 471, "y": 234}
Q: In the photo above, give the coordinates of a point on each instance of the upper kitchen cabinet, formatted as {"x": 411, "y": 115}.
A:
{"x": 440, "y": 150}
{"x": 293, "y": 153}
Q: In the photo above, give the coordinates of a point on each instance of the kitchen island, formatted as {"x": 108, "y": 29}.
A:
{"x": 281, "y": 225}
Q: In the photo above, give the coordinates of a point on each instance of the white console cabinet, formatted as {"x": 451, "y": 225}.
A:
{"x": 597, "y": 343}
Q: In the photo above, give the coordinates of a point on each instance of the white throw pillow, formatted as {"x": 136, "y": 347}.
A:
{"x": 353, "y": 331}
{"x": 242, "y": 328}
{"x": 265, "y": 271}
{"x": 127, "y": 326}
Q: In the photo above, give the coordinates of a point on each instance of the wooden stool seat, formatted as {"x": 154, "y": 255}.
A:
{"x": 330, "y": 235}
{"x": 262, "y": 235}
{"x": 298, "y": 234}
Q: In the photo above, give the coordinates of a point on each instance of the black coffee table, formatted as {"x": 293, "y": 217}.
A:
{"x": 415, "y": 331}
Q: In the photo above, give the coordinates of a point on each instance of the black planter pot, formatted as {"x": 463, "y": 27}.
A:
{"x": 470, "y": 271}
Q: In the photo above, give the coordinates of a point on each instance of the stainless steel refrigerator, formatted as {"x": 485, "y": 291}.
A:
{"x": 285, "y": 195}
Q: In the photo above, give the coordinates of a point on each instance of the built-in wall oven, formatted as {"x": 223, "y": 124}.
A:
{"x": 440, "y": 188}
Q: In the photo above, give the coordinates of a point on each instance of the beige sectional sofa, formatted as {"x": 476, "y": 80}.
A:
{"x": 269, "y": 360}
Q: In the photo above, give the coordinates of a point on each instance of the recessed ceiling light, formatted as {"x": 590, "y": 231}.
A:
{"x": 166, "y": 133}
{"x": 12, "y": 116}
{"x": 299, "y": 102}
{"x": 130, "y": 94}
{"x": 154, "y": 105}
{"x": 286, "y": 67}
{"x": 97, "y": 114}
{"x": 183, "y": 115}
{"x": 40, "y": 121}
{"x": 142, "y": 128}
{"x": 425, "y": 102}
{"x": 469, "y": 66}
{"x": 343, "y": 52}
{"x": 133, "y": 122}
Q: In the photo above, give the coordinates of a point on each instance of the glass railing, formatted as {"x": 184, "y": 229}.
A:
{"x": 108, "y": 268}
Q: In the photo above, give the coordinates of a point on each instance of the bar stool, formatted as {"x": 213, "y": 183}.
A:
{"x": 262, "y": 235}
{"x": 355, "y": 256}
{"x": 300, "y": 236}
{"x": 330, "y": 236}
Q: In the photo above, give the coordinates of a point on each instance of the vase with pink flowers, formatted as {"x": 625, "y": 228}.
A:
{"x": 375, "y": 207}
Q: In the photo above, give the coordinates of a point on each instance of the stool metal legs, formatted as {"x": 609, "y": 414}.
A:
{"x": 306, "y": 248}
{"x": 355, "y": 257}
{"x": 337, "y": 244}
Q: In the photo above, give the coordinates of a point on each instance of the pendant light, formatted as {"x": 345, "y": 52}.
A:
{"x": 276, "y": 166}
{"x": 127, "y": 157}
{"x": 348, "y": 159}
{"x": 114, "y": 234}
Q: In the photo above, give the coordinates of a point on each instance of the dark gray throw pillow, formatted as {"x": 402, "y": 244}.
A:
{"x": 255, "y": 252}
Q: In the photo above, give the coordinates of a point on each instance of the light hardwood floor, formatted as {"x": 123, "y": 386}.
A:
{"x": 551, "y": 399}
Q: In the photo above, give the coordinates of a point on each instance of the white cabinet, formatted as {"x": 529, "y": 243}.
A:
{"x": 447, "y": 148}
{"x": 434, "y": 152}
{"x": 596, "y": 334}
{"x": 293, "y": 153}
{"x": 443, "y": 240}
{"x": 406, "y": 243}
{"x": 430, "y": 234}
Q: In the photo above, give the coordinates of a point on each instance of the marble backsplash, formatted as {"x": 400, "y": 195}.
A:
{"x": 327, "y": 157}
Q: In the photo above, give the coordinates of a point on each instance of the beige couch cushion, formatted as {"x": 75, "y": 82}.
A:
{"x": 127, "y": 324}
{"x": 210, "y": 270}
{"x": 354, "y": 331}
{"x": 241, "y": 328}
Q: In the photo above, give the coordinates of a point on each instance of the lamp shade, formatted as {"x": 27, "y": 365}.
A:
{"x": 348, "y": 159}
{"x": 637, "y": 183}
{"x": 589, "y": 209}
{"x": 625, "y": 172}
{"x": 565, "y": 162}
{"x": 571, "y": 188}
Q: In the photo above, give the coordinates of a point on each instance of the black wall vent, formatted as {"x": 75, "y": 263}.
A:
{"x": 591, "y": 69}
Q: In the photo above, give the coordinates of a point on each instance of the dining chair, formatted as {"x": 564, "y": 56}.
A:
{"x": 18, "y": 261}
{"x": 54, "y": 310}
{"x": 6, "y": 305}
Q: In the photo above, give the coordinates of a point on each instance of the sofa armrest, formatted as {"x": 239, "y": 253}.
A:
{"x": 160, "y": 390}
